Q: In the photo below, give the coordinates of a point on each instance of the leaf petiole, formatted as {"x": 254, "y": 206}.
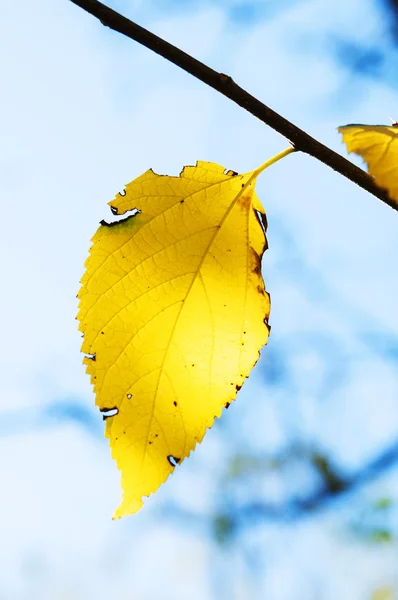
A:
{"x": 273, "y": 160}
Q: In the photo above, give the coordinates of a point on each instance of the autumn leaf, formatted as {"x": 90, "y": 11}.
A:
{"x": 384, "y": 593}
{"x": 174, "y": 312}
{"x": 378, "y": 146}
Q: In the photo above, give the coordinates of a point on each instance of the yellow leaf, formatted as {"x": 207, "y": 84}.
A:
{"x": 384, "y": 593}
{"x": 174, "y": 313}
{"x": 378, "y": 146}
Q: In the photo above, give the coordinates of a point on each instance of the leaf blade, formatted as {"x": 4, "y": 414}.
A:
{"x": 174, "y": 308}
{"x": 378, "y": 146}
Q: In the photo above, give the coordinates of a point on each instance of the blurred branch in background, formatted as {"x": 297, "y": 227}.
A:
{"x": 392, "y": 8}
{"x": 332, "y": 484}
{"x": 54, "y": 414}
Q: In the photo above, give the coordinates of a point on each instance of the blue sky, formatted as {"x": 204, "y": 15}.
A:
{"x": 84, "y": 112}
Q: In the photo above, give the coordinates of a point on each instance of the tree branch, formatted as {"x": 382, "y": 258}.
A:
{"x": 331, "y": 490}
{"x": 296, "y": 509}
{"x": 226, "y": 86}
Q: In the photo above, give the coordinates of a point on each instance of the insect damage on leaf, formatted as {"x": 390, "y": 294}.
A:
{"x": 378, "y": 146}
{"x": 173, "y": 307}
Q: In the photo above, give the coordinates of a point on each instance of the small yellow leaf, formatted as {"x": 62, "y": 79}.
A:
{"x": 174, "y": 313}
{"x": 378, "y": 146}
{"x": 384, "y": 593}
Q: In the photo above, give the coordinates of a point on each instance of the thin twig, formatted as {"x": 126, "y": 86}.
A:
{"x": 226, "y": 86}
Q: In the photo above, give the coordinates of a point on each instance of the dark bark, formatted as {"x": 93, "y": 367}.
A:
{"x": 226, "y": 86}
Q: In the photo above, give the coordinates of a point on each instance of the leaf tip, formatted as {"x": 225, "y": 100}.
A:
{"x": 126, "y": 508}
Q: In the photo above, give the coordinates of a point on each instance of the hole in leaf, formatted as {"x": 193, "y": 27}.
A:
{"x": 262, "y": 219}
{"x": 173, "y": 460}
{"x": 109, "y": 412}
{"x": 121, "y": 218}
{"x": 92, "y": 357}
{"x": 129, "y": 396}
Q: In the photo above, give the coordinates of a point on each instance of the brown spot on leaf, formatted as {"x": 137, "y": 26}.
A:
{"x": 245, "y": 201}
{"x": 254, "y": 261}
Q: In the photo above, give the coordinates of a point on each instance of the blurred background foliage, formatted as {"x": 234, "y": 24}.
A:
{"x": 296, "y": 455}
